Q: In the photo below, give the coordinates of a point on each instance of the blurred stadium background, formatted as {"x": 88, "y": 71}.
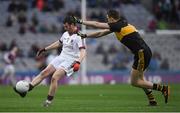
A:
{"x": 33, "y": 24}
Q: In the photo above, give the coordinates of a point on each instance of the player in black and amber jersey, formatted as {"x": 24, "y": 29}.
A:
{"x": 128, "y": 35}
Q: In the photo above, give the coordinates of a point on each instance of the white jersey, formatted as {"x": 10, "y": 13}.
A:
{"x": 71, "y": 45}
{"x": 70, "y": 52}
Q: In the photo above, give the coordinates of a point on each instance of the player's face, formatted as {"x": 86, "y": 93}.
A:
{"x": 110, "y": 20}
{"x": 68, "y": 27}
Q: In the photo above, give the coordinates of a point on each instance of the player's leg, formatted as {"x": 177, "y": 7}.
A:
{"x": 2, "y": 78}
{"x": 58, "y": 74}
{"x": 144, "y": 56}
{"x": 140, "y": 63}
{"x": 148, "y": 92}
{"x": 5, "y": 74}
{"x": 138, "y": 81}
{"x": 150, "y": 96}
{"x": 165, "y": 89}
{"x": 41, "y": 76}
{"x": 51, "y": 68}
{"x": 12, "y": 76}
{"x": 137, "y": 76}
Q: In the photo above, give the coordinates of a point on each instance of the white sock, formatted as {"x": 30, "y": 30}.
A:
{"x": 47, "y": 101}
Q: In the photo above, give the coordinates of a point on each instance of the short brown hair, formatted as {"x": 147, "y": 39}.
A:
{"x": 113, "y": 14}
{"x": 69, "y": 20}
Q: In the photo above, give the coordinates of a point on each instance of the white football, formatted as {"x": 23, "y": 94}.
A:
{"x": 22, "y": 86}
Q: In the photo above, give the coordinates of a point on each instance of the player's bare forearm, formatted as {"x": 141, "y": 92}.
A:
{"x": 82, "y": 54}
{"x": 54, "y": 45}
{"x": 96, "y": 24}
{"x": 99, "y": 33}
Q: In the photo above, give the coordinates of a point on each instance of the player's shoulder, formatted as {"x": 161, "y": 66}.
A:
{"x": 76, "y": 36}
{"x": 65, "y": 33}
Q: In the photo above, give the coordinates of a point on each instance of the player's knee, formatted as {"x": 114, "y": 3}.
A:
{"x": 54, "y": 79}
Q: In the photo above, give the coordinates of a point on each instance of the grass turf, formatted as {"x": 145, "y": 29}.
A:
{"x": 88, "y": 98}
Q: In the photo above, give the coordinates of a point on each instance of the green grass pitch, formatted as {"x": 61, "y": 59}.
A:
{"x": 88, "y": 98}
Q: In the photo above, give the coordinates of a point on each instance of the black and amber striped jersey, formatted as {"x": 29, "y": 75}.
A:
{"x": 128, "y": 35}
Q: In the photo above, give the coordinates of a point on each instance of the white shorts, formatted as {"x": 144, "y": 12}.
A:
{"x": 63, "y": 63}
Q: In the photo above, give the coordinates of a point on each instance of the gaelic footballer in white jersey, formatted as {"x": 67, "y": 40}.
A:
{"x": 68, "y": 62}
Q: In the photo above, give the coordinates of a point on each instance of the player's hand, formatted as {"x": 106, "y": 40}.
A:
{"x": 76, "y": 66}
{"x": 40, "y": 51}
{"x": 77, "y": 20}
{"x": 82, "y": 35}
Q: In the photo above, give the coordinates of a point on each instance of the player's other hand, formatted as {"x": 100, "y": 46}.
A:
{"x": 82, "y": 35}
{"x": 40, "y": 51}
{"x": 76, "y": 66}
{"x": 77, "y": 20}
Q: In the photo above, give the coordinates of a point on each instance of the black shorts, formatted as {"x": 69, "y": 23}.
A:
{"x": 147, "y": 58}
{"x": 135, "y": 43}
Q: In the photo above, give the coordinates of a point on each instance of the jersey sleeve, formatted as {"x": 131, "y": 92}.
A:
{"x": 61, "y": 38}
{"x": 81, "y": 43}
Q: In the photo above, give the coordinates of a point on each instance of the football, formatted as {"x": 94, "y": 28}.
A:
{"x": 22, "y": 86}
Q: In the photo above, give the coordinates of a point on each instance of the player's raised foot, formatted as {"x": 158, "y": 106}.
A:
{"x": 21, "y": 94}
{"x": 166, "y": 93}
{"x": 47, "y": 103}
{"x": 152, "y": 103}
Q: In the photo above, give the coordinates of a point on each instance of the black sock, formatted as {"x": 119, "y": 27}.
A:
{"x": 30, "y": 87}
{"x": 158, "y": 87}
{"x": 147, "y": 91}
{"x": 50, "y": 98}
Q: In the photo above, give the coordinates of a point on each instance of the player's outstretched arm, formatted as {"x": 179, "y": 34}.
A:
{"x": 92, "y": 23}
{"x": 50, "y": 47}
{"x": 54, "y": 45}
{"x": 96, "y": 24}
{"x": 97, "y": 34}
